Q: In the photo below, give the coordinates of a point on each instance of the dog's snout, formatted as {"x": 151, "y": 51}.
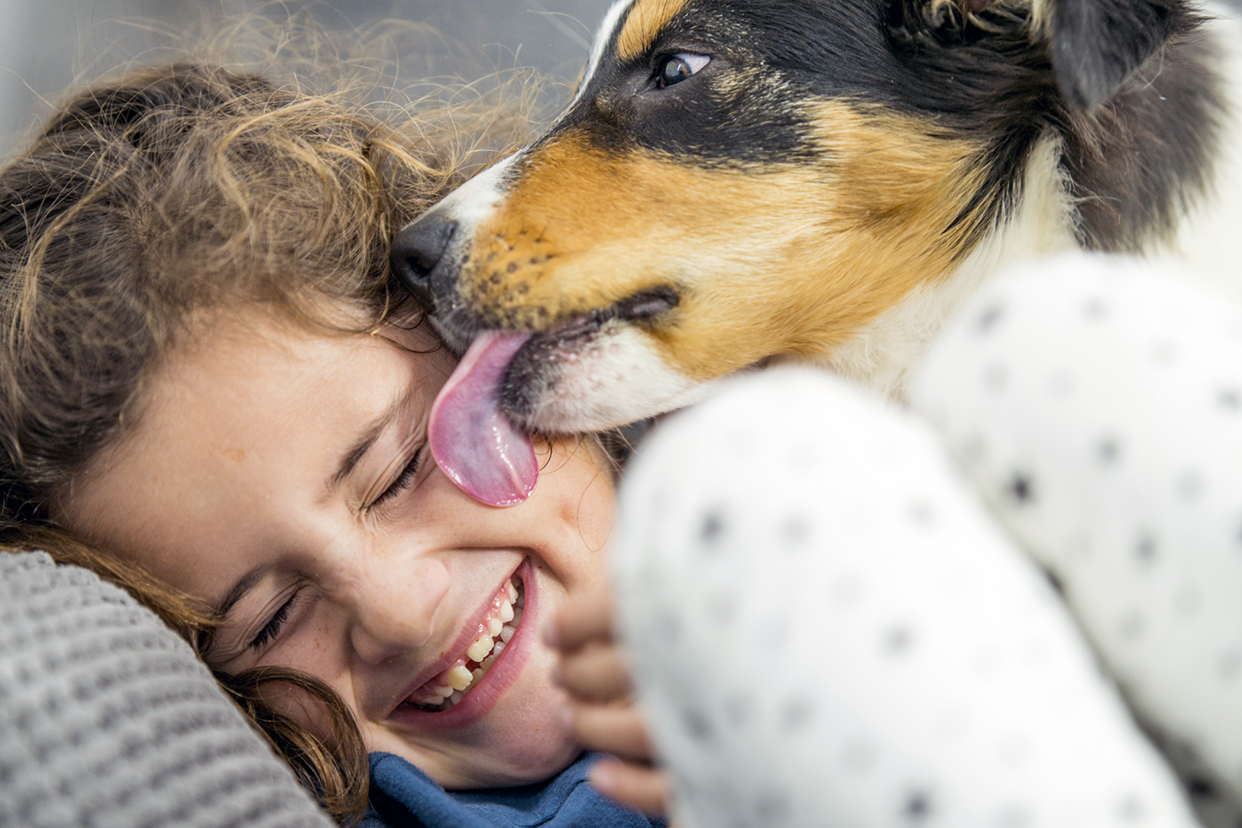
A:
{"x": 416, "y": 252}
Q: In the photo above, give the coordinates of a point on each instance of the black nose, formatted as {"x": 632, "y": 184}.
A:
{"x": 417, "y": 250}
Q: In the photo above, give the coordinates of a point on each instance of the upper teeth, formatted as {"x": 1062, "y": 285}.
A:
{"x": 459, "y": 677}
{"x": 499, "y": 626}
{"x": 480, "y": 649}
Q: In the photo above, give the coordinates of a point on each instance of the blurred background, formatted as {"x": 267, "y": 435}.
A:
{"x": 45, "y": 45}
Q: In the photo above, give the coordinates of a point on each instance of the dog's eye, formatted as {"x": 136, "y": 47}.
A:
{"x": 676, "y": 68}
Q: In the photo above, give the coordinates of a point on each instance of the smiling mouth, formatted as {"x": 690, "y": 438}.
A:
{"x": 446, "y": 690}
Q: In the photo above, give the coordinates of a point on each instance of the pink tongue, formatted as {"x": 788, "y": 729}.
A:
{"x": 471, "y": 438}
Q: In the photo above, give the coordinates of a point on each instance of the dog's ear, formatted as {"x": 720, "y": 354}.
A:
{"x": 1095, "y": 45}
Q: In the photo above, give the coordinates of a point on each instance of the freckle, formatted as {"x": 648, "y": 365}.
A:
{"x": 236, "y": 455}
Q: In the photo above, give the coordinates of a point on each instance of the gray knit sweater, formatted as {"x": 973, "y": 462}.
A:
{"x": 108, "y": 719}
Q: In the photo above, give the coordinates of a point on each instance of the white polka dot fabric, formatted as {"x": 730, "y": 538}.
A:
{"x": 830, "y": 628}
{"x": 1097, "y": 406}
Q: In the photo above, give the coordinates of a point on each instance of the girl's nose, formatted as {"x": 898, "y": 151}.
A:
{"x": 393, "y": 606}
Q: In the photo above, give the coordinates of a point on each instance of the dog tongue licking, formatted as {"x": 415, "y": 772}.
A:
{"x": 471, "y": 438}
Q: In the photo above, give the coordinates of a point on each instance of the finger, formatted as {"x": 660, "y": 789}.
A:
{"x": 595, "y": 674}
{"x": 642, "y": 788}
{"x": 621, "y": 731}
{"x": 581, "y": 619}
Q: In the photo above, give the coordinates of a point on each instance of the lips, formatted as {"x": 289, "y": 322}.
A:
{"x": 494, "y": 632}
{"x": 425, "y": 707}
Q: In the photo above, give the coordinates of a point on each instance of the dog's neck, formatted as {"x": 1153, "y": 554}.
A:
{"x": 882, "y": 356}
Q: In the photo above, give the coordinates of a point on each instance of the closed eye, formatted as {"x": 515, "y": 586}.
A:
{"x": 274, "y": 624}
{"x": 402, "y": 482}
{"x": 673, "y": 69}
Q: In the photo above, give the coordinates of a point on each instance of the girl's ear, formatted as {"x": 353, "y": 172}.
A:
{"x": 1095, "y": 45}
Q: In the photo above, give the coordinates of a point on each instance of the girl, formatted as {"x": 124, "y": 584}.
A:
{"x": 209, "y": 376}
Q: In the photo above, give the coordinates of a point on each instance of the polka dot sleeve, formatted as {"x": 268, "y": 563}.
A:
{"x": 828, "y": 628}
{"x": 1096, "y": 404}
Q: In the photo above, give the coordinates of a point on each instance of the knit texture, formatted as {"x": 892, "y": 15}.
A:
{"x": 108, "y": 719}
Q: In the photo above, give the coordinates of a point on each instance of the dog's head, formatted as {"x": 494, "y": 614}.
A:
{"x": 737, "y": 180}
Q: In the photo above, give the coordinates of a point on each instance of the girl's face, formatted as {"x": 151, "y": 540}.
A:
{"x": 283, "y": 477}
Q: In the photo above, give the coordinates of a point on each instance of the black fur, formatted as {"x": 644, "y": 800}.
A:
{"x": 1135, "y": 163}
{"x": 1127, "y": 84}
{"x": 1128, "y": 87}
{"x": 1097, "y": 45}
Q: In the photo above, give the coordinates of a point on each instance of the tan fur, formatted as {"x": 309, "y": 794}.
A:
{"x": 983, "y": 14}
{"x": 955, "y": 10}
{"x": 777, "y": 259}
{"x": 1040, "y": 14}
{"x": 647, "y": 18}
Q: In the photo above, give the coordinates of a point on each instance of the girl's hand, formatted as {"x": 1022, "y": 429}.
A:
{"x": 601, "y": 713}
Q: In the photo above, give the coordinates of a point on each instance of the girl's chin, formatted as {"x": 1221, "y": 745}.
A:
{"x": 509, "y": 734}
{"x": 530, "y": 749}
{"x": 533, "y": 766}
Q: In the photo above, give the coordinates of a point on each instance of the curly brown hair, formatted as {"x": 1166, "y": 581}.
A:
{"x": 166, "y": 193}
{"x": 176, "y": 189}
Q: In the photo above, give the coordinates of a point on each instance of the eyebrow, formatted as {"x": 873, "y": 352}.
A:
{"x": 354, "y": 456}
{"x": 359, "y": 450}
{"x": 248, "y": 582}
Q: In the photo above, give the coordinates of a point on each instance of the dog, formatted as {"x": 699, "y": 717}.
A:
{"x": 737, "y": 182}
{"x": 825, "y": 181}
